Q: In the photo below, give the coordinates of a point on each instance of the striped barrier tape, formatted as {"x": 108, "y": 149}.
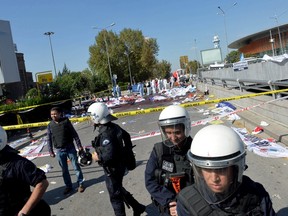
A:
{"x": 193, "y": 124}
{"x": 149, "y": 110}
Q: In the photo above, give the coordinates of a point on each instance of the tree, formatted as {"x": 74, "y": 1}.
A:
{"x": 65, "y": 70}
{"x": 233, "y": 56}
{"x": 193, "y": 66}
{"x": 163, "y": 69}
{"x": 142, "y": 55}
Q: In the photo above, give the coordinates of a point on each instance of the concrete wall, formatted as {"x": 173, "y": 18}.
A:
{"x": 276, "y": 110}
{"x": 256, "y": 71}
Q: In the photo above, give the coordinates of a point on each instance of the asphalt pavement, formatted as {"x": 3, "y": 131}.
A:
{"x": 271, "y": 172}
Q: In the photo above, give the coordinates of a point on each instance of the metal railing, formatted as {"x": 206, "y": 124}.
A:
{"x": 248, "y": 84}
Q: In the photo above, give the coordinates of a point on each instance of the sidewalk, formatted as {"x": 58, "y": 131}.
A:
{"x": 275, "y": 130}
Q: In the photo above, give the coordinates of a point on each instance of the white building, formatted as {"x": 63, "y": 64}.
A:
{"x": 9, "y": 72}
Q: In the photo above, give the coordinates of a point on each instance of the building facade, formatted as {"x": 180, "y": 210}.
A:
{"x": 273, "y": 41}
{"x": 14, "y": 80}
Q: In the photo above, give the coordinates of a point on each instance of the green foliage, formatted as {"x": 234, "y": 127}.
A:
{"x": 233, "y": 56}
{"x": 128, "y": 44}
{"x": 193, "y": 66}
{"x": 163, "y": 69}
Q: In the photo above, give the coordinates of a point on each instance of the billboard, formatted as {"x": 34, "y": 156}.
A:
{"x": 210, "y": 56}
{"x": 44, "y": 77}
{"x": 9, "y": 71}
{"x": 183, "y": 61}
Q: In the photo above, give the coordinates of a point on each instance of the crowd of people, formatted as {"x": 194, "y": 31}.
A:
{"x": 184, "y": 175}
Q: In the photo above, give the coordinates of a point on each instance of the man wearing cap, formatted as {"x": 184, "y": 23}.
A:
{"x": 17, "y": 174}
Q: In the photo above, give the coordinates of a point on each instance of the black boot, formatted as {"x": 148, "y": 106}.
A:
{"x": 137, "y": 207}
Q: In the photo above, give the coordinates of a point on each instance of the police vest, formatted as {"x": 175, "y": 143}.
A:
{"x": 171, "y": 162}
{"x": 248, "y": 201}
{"x": 109, "y": 145}
{"x": 61, "y": 133}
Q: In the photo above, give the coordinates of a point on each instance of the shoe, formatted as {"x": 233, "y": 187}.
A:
{"x": 257, "y": 130}
{"x": 67, "y": 190}
{"x": 139, "y": 210}
{"x": 81, "y": 189}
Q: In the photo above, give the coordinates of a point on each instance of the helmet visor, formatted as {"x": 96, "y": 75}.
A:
{"x": 216, "y": 184}
{"x": 173, "y": 134}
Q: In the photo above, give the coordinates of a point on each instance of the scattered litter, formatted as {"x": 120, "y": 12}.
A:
{"x": 101, "y": 192}
{"x": 271, "y": 140}
{"x": 53, "y": 182}
{"x": 263, "y": 123}
{"x": 201, "y": 110}
{"x": 257, "y": 130}
{"x": 206, "y": 113}
{"x": 276, "y": 195}
{"x": 123, "y": 123}
{"x": 233, "y": 117}
{"x": 46, "y": 168}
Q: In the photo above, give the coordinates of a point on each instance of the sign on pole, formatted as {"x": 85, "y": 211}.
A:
{"x": 44, "y": 77}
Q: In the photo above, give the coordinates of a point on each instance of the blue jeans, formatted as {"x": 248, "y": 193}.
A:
{"x": 62, "y": 159}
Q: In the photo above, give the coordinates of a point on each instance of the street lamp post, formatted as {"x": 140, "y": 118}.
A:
{"x": 107, "y": 52}
{"x": 272, "y": 43}
{"x": 127, "y": 53}
{"x": 49, "y": 35}
{"x": 279, "y": 35}
{"x": 224, "y": 16}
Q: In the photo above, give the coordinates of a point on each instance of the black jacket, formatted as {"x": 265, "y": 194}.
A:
{"x": 18, "y": 174}
{"x": 250, "y": 199}
{"x": 160, "y": 192}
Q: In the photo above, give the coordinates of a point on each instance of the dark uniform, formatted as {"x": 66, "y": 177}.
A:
{"x": 109, "y": 147}
{"x": 17, "y": 174}
{"x": 165, "y": 162}
{"x": 250, "y": 199}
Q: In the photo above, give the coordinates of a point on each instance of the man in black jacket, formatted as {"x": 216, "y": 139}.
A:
{"x": 60, "y": 134}
{"x": 110, "y": 155}
{"x": 168, "y": 169}
{"x": 17, "y": 174}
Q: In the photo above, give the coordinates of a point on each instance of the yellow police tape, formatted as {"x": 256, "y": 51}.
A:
{"x": 34, "y": 106}
{"x": 150, "y": 110}
{"x": 41, "y": 124}
{"x": 157, "y": 109}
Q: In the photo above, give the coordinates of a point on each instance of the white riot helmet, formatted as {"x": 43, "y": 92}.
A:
{"x": 217, "y": 148}
{"x": 174, "y": 115}
{"x": 100, "y": 114}
{"x": 3, "y": 138}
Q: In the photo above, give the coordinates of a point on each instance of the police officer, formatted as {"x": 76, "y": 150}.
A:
{"x": 168, "y": 170}
{"x": 108, "y": 146}
{"x": 17, "y": 174}
{"x": 218, "y": 158}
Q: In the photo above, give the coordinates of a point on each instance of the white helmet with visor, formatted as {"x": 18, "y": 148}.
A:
{"x": 3, "y": 138}
{"x": 100, "y": 113}
{"x": 217, "y": 149}
{"x": 173, "y": 116}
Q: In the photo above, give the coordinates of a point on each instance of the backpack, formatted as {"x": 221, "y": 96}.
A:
{"x": 128, "y": 155}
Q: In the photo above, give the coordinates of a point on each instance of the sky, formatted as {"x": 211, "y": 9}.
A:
{"x": 181, "y": 28}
